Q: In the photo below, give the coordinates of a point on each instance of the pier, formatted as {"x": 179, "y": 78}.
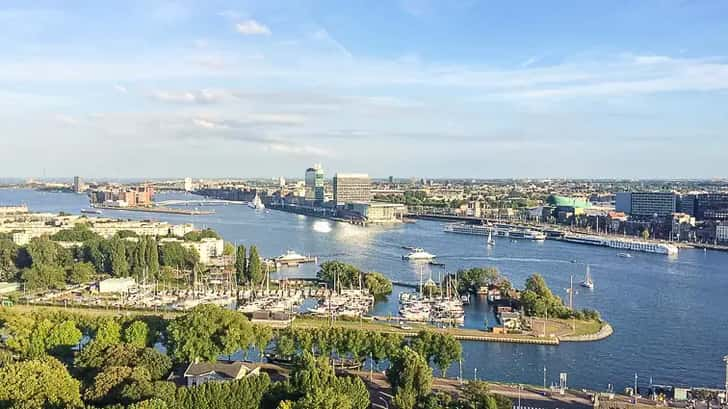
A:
{"x": 164, "y": 210}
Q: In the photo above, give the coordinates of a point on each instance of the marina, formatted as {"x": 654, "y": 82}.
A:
{"x": 648, "y": 296}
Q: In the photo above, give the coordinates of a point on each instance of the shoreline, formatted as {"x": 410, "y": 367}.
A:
{"x": 461, "y": 334}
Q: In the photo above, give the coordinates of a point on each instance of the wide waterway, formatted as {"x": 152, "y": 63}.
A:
{"x": 670, "y": 314}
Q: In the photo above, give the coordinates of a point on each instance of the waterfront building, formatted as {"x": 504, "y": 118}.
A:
{"x": 188, "y": 184}
{"x": 352, "y": 187}
{"x": 123, "y": 197}
{"x": 78, "y": 186}
{"x": 314, "y": 184}
{"x": 378, "y": 212}
{"x": 711, "y": 206}
{"x": 646, "y": 204}
{"x": 721, "y": 233}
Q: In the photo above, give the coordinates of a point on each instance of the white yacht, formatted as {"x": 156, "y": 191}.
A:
{"x": 588, "y": 282}
{"x": 256, "y": 203}
{"x": 419, "y": 254}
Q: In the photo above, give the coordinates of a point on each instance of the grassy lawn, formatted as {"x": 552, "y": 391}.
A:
{"x": 94, "y": 312}
{"x": 561, "y": 327}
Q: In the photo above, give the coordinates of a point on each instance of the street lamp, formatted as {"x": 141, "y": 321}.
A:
{"x": 520, "y": 388}
{"x": 725, "y": 359}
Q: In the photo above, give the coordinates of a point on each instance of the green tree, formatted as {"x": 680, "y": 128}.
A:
{"x": 107, "y": 334}
{"x": 346, "y": 275}
{"x": 228, "y": 249}
{"x": 8, "y": 258}
{"x": 62, "y": 337}
{"x": 152, "y": 257}
{"x": 285, "y": 345}
{"x": 117, "y": 258}
{"x": 80, "y": 273}
{"x": 447, "y": 351}
{"x": 377, "y": 284}
{"x": 410, "y": 377}
{"x": 262, "y": 335}
{"x": 44, "y": 276}
{"x": 241, "y": 263}
{"x": 38, "y": 384}
{"x": 255, "y": 267}
{"x": 137, "y": 334}
{"x": 43, "y": 251}
{"x": 206, "y": 332}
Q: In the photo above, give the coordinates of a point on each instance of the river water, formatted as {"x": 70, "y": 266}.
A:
{"x": 670, "y": 314}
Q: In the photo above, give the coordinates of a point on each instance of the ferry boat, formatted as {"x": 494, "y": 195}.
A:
{"x": 624, "y": 255}
{"x": 91, "y": 211}
{"x": 256, "y": 203}
{"x": 622, "y": 243}
{"x": 497, "y": 230}
{"x": 419, "y": 254}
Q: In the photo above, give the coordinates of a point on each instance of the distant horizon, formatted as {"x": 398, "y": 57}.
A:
{"x": 69, "y": 179}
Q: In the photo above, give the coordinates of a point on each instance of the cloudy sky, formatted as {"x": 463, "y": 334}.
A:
{"x": 406, "y": 88}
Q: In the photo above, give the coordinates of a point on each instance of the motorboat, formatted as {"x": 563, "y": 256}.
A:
{"x": 624, "y": 255}
{"x": 419, "y": 254}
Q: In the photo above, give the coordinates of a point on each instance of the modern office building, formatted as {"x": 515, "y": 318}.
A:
{"x": 352, "y": 187}
{"x": 315, "y": 184}
{"x": 646, "y": 204}
{"x": 188, "y": 185}
{"x": 78, "y": 184}
{"x": 711, "y": 206}
{"x": 721, "y": 233}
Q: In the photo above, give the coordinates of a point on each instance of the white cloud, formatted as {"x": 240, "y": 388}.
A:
{"x": 121, "y": 89}
{"x": 529, "y": 62}
{"x": 297, "y": 150}
{"x": 67, "y": 120}
{"x": 204, "y": 96}
{"x": 252, "y": 27}
{"x": 207, "y": 124}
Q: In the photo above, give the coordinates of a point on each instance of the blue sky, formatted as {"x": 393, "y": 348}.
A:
{"x": 403, "y": 88}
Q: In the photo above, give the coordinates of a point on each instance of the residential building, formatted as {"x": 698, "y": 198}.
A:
{"x": 208, "y": 248}
{"x": 198, "y": 373}
{"x": 646, "y": 204}
{"x": 122, "y": 197}
{"x": 352, "y": 187}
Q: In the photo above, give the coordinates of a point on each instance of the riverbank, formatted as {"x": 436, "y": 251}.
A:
{"x": 164, "y": 210}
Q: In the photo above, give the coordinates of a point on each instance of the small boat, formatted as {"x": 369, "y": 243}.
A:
{"x": 588, "y": 282}
{"x": 491, "y": 241}
{"x": 624, "y": 255}
{"x": 419, "y": 254}
{"x": 256, "y": 203}
{"x": 91, "y": 211}
{"x": 436, "y": 263}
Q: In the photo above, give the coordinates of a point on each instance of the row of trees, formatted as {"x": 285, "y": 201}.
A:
{"x": 345, "y": 275}
{"x": 249, "y": 268}
{"x": 115, "y": 366}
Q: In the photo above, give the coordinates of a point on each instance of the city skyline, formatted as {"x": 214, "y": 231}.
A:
{"x": 461, "y": 89}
